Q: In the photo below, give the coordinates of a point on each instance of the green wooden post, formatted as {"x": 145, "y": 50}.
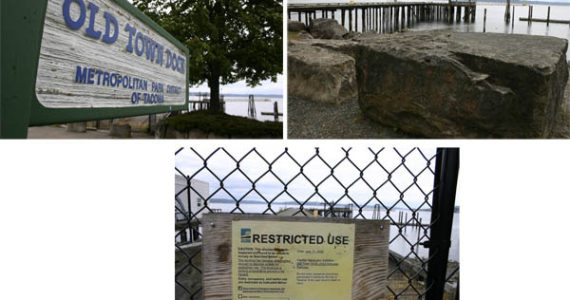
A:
{"x": 21, "y": 30}
{"x": 21, "y": 33}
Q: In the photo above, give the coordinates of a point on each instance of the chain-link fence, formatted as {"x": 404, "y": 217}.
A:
{"x": 413, "y": 188}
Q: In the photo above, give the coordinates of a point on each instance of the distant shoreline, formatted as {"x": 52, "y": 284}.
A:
{"x": 238, "y": 95}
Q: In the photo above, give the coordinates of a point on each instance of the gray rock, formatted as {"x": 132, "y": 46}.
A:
{"x": 77, "y": 127}
{"x": 352, "y": 35}
{"x": 326, "y": 29}
{"x": 303, "y": 35}
{"x": 120, "y": 130}
{"x": 449, "y": 84}
{"x": 319, "y": 74}
{"x": 562, "y": 123}
{"x": 295, "y": 26}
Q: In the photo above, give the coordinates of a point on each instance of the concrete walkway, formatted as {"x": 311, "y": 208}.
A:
{"x": 58, "y": 132}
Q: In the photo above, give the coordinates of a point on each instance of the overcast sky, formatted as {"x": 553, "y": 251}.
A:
{"x": 266, "y": 87}
{"x": 300, "y": 188}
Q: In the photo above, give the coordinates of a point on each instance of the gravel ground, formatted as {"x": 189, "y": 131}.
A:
{"x": 312, "y": 120}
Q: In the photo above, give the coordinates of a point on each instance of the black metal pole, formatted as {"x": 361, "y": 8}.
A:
{"x": 445, "y": 184}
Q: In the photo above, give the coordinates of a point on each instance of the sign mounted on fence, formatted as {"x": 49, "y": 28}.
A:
{"x": 296, "y": 258}
{"x": 292, "y": 260}
{"x": 91, "y": 59}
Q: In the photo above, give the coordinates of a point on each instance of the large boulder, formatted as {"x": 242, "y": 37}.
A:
{"x": 448, "y": 84}
{"x": 295, "y": 26}
{"x": 326, "y": 29}
{"x": 319, "y": 74}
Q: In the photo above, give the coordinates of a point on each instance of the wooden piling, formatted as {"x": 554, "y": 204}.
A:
{"x": 508, "y": 12}
{"x": 548, "y": 17}
{"x": 485, "y": 20}
{"x": 350, "y": 20}
{"x": 513, "y": 20}
{"x": 531, "y": 13}
{"x": 342, "y": 16}
{"x": 403, "y": 18}
{"x": 458, "y": 15}
{"x": 363, "y": 20}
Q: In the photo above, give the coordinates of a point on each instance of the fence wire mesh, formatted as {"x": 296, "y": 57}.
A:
{"x": 386, "y": 183}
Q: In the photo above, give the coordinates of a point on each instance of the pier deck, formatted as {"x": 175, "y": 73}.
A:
{"x": 383, "y": 16}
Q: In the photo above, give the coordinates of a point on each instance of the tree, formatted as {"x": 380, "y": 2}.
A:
{"x": 229, "y": 40}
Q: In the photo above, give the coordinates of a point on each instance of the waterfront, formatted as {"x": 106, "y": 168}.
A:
{"x": 238, "y": 106}
{"x": 399, "y": 243}
{"x": 495, "y": 19}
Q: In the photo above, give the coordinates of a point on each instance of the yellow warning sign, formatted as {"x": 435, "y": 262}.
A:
{"x": 273, "y": 260}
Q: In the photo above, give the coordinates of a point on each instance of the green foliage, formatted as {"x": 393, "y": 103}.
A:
{"x": 224, "y": 125}
{"x": 229, "y": 40}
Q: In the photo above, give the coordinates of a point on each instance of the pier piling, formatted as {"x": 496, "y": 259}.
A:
{"x": 485, "y": 20}
{"x": 384, "y": 17}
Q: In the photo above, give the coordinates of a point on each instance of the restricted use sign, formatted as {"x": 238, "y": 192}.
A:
{"x": 292, "y": 260}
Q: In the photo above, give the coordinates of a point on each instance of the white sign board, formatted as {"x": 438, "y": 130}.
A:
{"x": 95, "y": 54}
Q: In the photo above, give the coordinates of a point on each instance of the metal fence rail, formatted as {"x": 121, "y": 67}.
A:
{"x": 414, "y": 189}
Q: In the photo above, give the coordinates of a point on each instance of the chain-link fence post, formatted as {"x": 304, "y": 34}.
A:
{"x": 445, "y": 184}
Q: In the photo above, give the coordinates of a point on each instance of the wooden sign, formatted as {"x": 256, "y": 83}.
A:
{"x": 295, "y": 258}
{"x": 86, "y": 60}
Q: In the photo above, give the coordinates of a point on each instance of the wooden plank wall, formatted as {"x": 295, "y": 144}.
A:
{"x": 63, "y": 49}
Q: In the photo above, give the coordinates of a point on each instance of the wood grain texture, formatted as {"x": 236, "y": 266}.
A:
{"x": 370, "y": 254}
{"x": 63, "y": 49}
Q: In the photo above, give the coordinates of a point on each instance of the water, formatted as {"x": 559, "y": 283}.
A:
{"x": 237, "y": 106}
{"x": 495, "y": 19}
{"x": 398, "y": 241}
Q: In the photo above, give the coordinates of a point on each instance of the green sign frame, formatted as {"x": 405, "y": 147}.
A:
{"x": 21, "y": 30}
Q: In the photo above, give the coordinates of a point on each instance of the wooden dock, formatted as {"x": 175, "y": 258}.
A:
{"x": 383, "y": 17}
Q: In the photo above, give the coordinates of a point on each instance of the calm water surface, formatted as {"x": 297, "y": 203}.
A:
{"x": 237, "y": 106}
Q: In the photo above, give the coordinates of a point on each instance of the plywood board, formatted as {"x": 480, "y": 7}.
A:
{"x": 83, "y": 65}
{"x": 370, "y": 253}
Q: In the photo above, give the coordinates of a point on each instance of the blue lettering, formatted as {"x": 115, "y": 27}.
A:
{"x": 134, "y": 98}
{"x": 142, "y": 38}
{"x": 80, "y": 75}
{"x": 90, "y": 75}
{"x": 171, "y": 89}
{"x": 174, "y": 62}
{"x": 181, "y": 67}
{"x": 67, "y": 16}
{"x": 168, "y": 59}
{"x": 99, "y": 72}
{"x": 106, "y": 78}
{"x": 132, "y": 31}
{"x": 91, "y": 29}
{"x": 160, "y": 58}
{"x": 110, "y": 19}
{"x": 126, "y": 80}
{"x": 150, "y": 48}
{"x": 113, "y": 80}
